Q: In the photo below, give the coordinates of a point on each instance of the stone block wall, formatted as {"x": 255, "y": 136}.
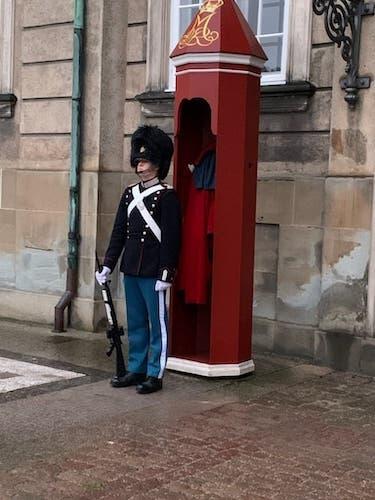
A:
{"x": 293, "y": 164}
{"x": 34, "y": 162}
{"x": 314, "y": 266}
{"x": 316, "y": 186}
{"x": 114, "y": 178}
{"x": 103, "y": 168}
{"x": 35, "y": 155}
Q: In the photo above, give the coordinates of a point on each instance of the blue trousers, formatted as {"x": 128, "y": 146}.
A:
{"x": 147, "y": 326}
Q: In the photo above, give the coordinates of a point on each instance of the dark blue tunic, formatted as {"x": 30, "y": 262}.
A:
{"x": 143, "y": 254}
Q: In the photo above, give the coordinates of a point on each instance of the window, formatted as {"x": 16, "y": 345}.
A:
{"x": 290, "y": 48}
{"x": 268, "y": 20}
{"x": 6, "y": 45}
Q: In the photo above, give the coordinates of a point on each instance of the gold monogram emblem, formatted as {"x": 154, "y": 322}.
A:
{"x": 200, "y": 33}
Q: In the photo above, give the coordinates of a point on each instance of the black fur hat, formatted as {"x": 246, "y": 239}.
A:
{"x": 151, "y": 143}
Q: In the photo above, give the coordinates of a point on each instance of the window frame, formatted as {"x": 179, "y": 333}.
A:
{"x": 279, "y": 77}
{"x": 272, "y": 78}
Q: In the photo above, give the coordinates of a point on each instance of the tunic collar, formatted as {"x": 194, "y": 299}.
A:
{"x": 150, "y": 183}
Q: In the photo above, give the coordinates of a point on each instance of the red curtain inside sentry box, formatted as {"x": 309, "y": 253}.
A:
{"x": 195, "y": 167}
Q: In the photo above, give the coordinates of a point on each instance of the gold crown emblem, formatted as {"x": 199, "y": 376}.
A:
{"x": 211, "y": 5}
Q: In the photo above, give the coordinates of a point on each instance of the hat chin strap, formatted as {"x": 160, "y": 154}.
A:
{"x": 143, "y": 171}
{"x": 147, "y": 171}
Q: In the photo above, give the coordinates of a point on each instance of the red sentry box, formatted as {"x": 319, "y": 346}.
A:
{"x": 218, "y": 67}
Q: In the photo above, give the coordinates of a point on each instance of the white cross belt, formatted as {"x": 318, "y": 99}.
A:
{"x": 138, "y": 202}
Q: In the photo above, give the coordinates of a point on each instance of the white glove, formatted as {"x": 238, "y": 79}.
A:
{"x": 161, "y": 286}
{"x": 102, "y": 277}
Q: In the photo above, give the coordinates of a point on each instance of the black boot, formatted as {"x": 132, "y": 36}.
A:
{"x": 128, "y": 379}
{"x": 152, "y": 384}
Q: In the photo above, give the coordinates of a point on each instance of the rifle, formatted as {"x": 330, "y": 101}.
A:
{"x": 114, "y": 332}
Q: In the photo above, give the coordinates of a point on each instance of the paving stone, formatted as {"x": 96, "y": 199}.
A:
{"x": 292, "y": 432}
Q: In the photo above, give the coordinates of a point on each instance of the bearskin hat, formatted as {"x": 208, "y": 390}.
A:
{"x": 152, "y": 144}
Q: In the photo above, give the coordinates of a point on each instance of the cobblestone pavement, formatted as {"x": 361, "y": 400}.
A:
{"x": 292, "y": 431}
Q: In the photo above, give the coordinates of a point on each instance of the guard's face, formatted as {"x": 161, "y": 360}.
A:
{"x": 146, "y": 170}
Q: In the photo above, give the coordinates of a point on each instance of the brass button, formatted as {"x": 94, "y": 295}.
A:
{"x": 144, "y": 232}
{"x": 142, "y": 240}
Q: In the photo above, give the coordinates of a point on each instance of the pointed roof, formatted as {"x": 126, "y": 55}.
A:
{"x": 219, "y": 27}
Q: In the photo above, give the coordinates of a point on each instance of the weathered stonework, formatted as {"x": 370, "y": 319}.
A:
{"x": 47, "y": 151}
{"x": 343, "y": 304}
{"x": 314, "y": 119}
{"x": 299, "y": 264}
{"x": 46, "y": 117}
{"x": 348, "y": 202}
{"x": 263, "y": 334}
{"x": 322, "y": 67}
{"x": 293, "y": 154}
{"x": 51, "y": 43}
{"x": 7, "y": 233}
{"x": 46, "y": 12}
{"x": 353, "y": 141}
{"x": 275, "y": 201}
{"x": 137, "y": 49}
{"x": 339, "y": 350}
{"x": 7, "y": 188}
{"x": 49, "y": 80}
{"x": 132, "y": 116}
{"x": 41, "y": 230}
{"x": 135, "y": 79}
{"x": 265, "y": 267}
{"x": 309, "y": 196}
{"x": 137, "y": 11}
{"x": 50, "y": 191}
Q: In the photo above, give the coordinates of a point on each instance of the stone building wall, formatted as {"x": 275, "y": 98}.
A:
{"x": 35, "y": 155}
{"x": 294, "y": 156}
{"x": 313, "y": 286}
{"x": 34, "y": 160}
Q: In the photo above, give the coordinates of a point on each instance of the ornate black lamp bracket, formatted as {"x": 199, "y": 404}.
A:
{"x": 343, "y": 23}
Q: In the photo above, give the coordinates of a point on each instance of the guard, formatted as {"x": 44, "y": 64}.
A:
{"x": 147, "y": 231}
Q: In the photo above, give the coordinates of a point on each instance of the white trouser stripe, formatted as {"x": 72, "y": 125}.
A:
{"x": 163, "y": 329}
